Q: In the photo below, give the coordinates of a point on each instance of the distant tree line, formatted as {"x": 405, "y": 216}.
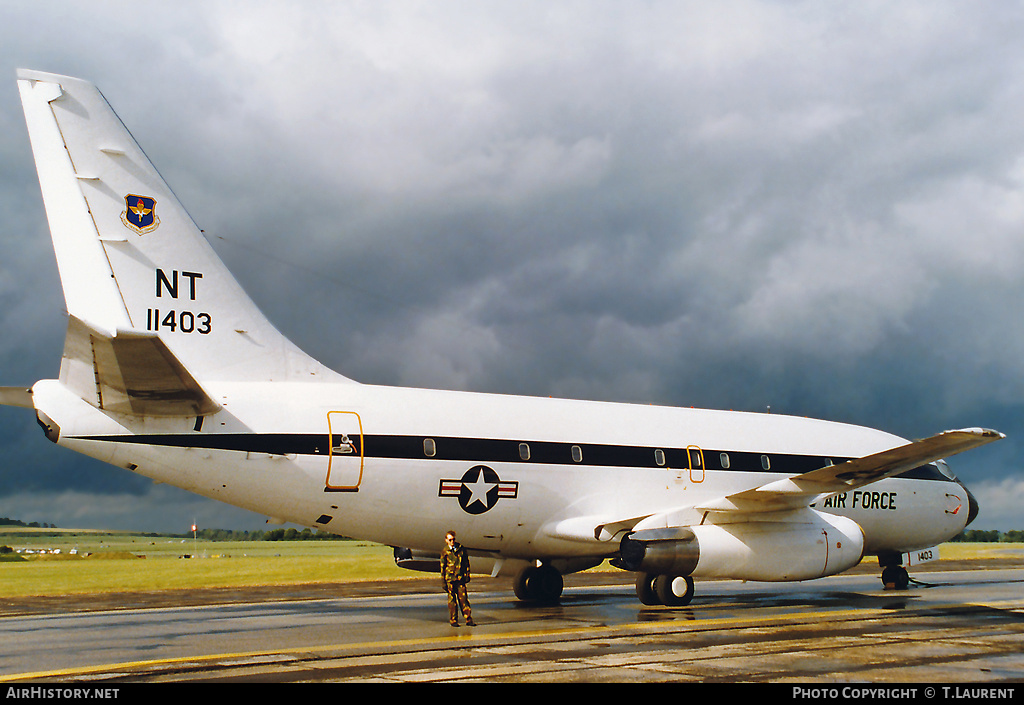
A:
{"x": 993, "y": 536}
{"x": 271, "y": 535}
{"x": 216, "y": 534}
{"x": 4, "y": 521}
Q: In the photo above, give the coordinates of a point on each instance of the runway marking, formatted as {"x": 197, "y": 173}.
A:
{"x": 480, "y": 637}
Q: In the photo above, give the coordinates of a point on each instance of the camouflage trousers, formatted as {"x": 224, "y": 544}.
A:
{"x": 458, "y": 599}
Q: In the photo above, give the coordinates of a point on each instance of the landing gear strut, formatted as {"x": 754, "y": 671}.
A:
{"x": 538, "y": 584}
{"x": 668, "y": 590}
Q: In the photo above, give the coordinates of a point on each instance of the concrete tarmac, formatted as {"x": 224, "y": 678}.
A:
{"x": 949, "y": 627}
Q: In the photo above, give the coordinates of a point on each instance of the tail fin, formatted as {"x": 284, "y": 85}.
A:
{"x": 154, "y": 312}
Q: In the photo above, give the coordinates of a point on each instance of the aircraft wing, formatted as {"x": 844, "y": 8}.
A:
{"x": 797, "y": 492}
{"x": 802, "y": 490}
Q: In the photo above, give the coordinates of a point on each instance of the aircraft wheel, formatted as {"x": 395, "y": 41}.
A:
{"x": 674, "y": 591}
{"x": 895, "y": 577}
{"x": 645, "y": 589}
{"x": 543, "y": 584}
{"x": 520, "y": 585}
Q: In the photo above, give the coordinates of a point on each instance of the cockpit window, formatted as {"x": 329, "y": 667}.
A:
{"x": 944, "y": 470}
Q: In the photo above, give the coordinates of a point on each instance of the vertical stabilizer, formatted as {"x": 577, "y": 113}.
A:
{"x": 133, "y": 264}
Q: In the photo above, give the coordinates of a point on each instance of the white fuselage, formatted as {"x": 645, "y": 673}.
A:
{"x": 508, "y": 472}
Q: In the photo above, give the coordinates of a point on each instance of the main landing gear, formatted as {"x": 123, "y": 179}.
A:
{"x": 541, "y": 584}
{"x": 668, "y": 590}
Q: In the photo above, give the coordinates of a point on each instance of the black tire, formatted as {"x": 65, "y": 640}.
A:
{"x": 894, "y": 574}
{"x": 543, "y": 584}
{"x": 897, "y": 576}
{"x": 665, "y": 587}
{"x": 551, "y": 585}
{"x": 903, "y": 581}
{"x": 521, "y": 585}
{"x": 645, "y": 589}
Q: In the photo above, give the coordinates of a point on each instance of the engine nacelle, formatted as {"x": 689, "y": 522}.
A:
{"x": 813, "y": 547}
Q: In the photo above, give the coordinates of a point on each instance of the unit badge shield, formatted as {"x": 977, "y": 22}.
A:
{"x": 140, "y": 214}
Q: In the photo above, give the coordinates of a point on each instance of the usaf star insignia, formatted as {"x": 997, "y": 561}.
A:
{"x": 478, "y": 490}
{"x": 140, "y": 214}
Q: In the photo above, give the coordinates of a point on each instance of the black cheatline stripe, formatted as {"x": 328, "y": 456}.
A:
{"x": 491, "y": 450}
{"x": 270, "y": 443}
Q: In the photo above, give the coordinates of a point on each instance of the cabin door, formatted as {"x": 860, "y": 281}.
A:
{"x": 345, "y": 461}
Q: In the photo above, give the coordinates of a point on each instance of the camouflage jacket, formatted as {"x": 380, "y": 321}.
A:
{"x": 454, "y": 564}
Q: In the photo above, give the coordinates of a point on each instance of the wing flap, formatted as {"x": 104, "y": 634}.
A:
{"x": 587, "y": 529}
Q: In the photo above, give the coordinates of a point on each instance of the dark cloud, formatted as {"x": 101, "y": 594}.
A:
{"x": 735, "y": 205}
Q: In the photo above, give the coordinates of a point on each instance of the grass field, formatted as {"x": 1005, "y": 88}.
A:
{"x": 106, "y": 562}
{"x": 128, "y": 562}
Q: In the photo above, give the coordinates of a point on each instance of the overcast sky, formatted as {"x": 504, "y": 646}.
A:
{"x": 812, "y": 206}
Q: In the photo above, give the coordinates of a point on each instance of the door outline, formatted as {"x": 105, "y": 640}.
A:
{"x": 345, "y": 440}
{"x": 696, "y": 473}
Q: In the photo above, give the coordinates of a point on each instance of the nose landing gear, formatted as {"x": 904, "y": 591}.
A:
{"x": 895, "y": 577}
{"x": 894, "y": 574}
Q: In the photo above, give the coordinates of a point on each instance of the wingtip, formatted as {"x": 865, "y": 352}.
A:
{"x": 981, "y": 432}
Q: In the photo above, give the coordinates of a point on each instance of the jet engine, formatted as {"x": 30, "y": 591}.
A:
{"x": 815, "y": 546}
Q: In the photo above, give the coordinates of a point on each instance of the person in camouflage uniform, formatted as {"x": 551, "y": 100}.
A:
{"x": 455, "y": 574}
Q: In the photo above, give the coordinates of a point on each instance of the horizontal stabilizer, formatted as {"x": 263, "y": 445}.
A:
{"x": 130, "y": 372}
{"x": 16, "y": 396}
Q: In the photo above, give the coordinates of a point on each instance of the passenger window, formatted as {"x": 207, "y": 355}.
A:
{"x": 577, "y": 454}
{"x": 524, "y": 451}
{"x": 766, "y": 463}
{"x": 659, "y": 457}
{"x": 429, "y": 447}
{"x": 724, "y": 458}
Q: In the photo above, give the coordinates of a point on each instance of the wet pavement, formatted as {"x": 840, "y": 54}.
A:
{"x": 950, "y": 626}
